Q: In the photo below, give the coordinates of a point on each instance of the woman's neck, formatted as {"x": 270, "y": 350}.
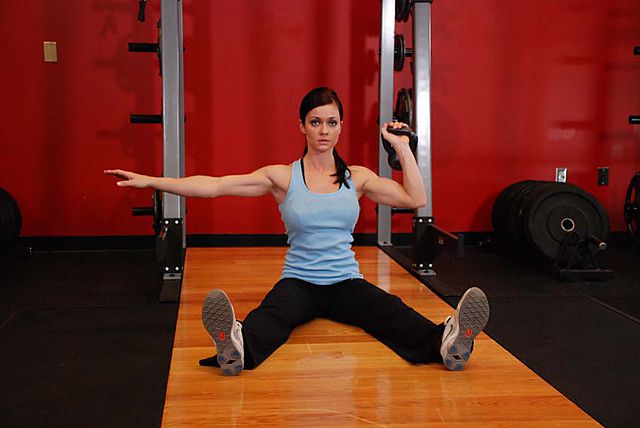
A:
{"x": 321, "y": 162}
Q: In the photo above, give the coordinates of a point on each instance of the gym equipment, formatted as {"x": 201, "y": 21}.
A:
{"x": 160, "y": 225}
{"x": 554, "y": 210}
{"x": 142, "y": 5}
{"x": 404, "y": 107}
{"x": 558, "y": 222}
{"x": 155, "y": 211}
{"x": 502, "y": 206}
{"x": 393, "y": 160}
{"x": 413, "y": 107}
{"x": 576, "y": 259}
{"x": 149, "y": 47}
{"x": 635, "y": 119}
{"x": 403, "y": 9}
{"x": 10, "y": 222}
{"x": 145, "y": 118}
{"x": 400, "y": 52}
{"x": 632, "y": 207}
{"x": 507, "y": 215}
{"x": 385, "y": 109}
{"x": 168, "y": 210}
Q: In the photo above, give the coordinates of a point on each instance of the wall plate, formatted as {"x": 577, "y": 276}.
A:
{"x": 561, "y": 175}
{"x": 50, "y": 52}
{"x": 603, "y": 176}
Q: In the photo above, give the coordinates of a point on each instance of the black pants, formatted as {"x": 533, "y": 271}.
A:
{"x": 356, "y": 302}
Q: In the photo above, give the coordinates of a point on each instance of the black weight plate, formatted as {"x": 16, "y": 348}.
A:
{"x": 403, "y": 9}
{"x": 632, "y": 207}
{"x": 10, "y": 220}
{"x": 157, "y": 211}
{"x": 159, "y": 27}
{"x": 501, "y": 208}
{"x": 399, "y": 52}
{"x": 561, "y": 207}
{"x": 565, "y": 218}
{"x": 404, "y": 107}
{"x": 517, "y": 211}
{"x": 11, "y": 216}
{"x": 528, "y": 202}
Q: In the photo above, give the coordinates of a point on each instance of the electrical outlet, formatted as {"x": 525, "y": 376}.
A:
{"x": 603, "y": 176}
{"x": 561, "y": 175}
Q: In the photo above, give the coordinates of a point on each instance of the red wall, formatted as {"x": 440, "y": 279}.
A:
{"x": 519, "y": 88}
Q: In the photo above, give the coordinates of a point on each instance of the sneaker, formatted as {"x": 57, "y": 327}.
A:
{"x": 220, "y": 321}
{"x": 472, "y": 314}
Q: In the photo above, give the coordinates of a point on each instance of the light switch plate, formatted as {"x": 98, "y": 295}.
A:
{"x": 50, "y": 52}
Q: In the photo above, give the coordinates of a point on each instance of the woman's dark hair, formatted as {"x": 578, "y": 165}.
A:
{"x": 320, "y": 97}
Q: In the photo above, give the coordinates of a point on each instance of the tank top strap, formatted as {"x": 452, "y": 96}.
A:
{"x": 297, "y": 181}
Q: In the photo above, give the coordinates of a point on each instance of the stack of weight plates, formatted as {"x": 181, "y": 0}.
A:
{"x": 538, "y": 215}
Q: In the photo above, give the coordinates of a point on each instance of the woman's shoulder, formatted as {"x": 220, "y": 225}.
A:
{"x": 279, "y": 174}
{"x": 278, "y": 167}
{"x": 360, "y": 174}
{"x": 359, "y": 171}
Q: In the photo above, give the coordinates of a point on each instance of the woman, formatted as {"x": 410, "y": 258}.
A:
{"x": 318, "y": 200}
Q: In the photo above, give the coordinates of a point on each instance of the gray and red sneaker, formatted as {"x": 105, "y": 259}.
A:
{"x": 220, "y": 321}
{"x": 472, "y": 314}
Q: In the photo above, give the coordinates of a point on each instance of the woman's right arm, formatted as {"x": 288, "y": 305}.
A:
{"x": 257, "y": 183}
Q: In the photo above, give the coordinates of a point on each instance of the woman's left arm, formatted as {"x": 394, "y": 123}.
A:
{"x": 411, "y": 193}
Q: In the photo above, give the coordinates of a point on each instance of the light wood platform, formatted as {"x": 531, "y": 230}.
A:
{"x": 329, "y": 374}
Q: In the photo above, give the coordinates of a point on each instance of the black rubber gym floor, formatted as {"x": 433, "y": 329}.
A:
{"x": 582, "y": 337}
{"x": 83, "y": 341}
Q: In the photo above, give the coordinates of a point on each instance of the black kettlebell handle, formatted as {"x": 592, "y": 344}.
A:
{"x": 405, "y": 131}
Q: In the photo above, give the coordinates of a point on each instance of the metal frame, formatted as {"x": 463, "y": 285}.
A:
{"x": 422, "y": 97}
{"x": 386, "y": 95}
{"x": 421, "y": 101}
{"x": 428, "y": 239}
{"x": 173, "y": 206}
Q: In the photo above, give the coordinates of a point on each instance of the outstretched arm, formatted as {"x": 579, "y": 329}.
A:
{"x": 257, "y": 183}
{"x": 410, "y": 194}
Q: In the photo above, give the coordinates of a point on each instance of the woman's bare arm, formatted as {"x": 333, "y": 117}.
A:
{"x": 256, "y": 183}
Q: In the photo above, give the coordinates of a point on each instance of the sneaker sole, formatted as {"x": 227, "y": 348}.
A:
{"x": 218, "y": 318}
{"x": 472, "y": 314}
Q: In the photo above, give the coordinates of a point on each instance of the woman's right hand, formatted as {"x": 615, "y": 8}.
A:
{"x": 131, "y": 179}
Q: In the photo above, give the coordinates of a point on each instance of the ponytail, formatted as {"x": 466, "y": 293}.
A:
{"x": 341, "y": 169}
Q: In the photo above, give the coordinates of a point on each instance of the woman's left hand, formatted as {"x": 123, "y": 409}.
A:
{"x": 397, "y": 141}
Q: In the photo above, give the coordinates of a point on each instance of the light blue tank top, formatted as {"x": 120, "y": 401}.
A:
{"x": 319, "y": 231}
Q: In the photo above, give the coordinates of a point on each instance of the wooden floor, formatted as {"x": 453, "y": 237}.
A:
{"x": 329, "y": 374}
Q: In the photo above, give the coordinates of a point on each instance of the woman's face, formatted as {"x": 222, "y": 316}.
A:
{"x": 322, "y": 128}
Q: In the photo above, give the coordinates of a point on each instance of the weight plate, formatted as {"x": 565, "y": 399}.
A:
{"x": 501, "y": 208}
{"x": 159, "y": 27}
{"x": 157, "y": 212}
{"x": 404, "y": 107}
{"x": 632, "y": 207}
{"x": 10, "y": 220}
{"x": 516, "y": 213}
{"x": 403, "y": 10}
{"x": 399, "y": 52}
{"x": 559, "y": 208}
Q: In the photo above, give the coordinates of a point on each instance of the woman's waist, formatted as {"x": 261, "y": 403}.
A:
{"x": 335, "y": 253}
